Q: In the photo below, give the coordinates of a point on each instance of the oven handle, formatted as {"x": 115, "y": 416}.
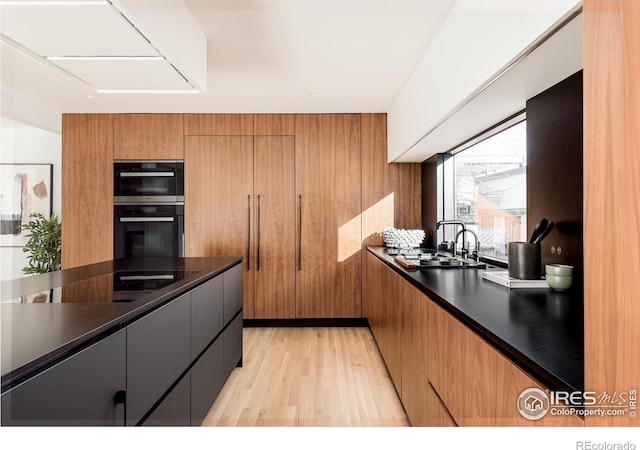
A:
{"x": 147, "y": 219}
{"x": 145, "y": 277}
{"x": 146, "y": 174}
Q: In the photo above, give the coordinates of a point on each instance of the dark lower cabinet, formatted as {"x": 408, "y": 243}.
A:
{"x": 164, "y": 369}
{"x": 232, "y": 338}
{"x": 207, "y": 378}
{"x": 175, "y": 408}
{"x": 206, "y": 313}
{"x": 158, "y": 352}
{"x": 232, "y": 292}
{"x": 81, "y": 390}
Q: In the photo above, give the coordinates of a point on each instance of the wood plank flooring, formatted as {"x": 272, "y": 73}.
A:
{"x": 308, "y": 377}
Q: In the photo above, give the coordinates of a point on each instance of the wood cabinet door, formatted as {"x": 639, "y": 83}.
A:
{"x": 218, "y": 202}
{"x": 328, "y": 190}
{"x": 148, "y": 136}
{"x": 87, "y": 189}
{"x": 274, "y": 212}
{"x": 415, "y": 393}
{"x": 478, "y": 386}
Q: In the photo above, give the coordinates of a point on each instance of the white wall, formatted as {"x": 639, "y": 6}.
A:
{"x": 475, "y": 41}
{"x": 23, "y": 144}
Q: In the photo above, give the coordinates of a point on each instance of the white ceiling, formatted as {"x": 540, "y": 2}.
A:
{"x": 262, "y": 56}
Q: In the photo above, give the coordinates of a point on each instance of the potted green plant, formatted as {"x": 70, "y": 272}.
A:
{"x": 44, "y": 247}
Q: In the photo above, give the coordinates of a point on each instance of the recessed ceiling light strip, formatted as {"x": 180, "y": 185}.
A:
{"x": 53, "y": 2}
{"x": 38, "y": 58}
{"x": 150, "y": 43}
{"x": 147, "y": 91}
{"x": 106, "y": 58}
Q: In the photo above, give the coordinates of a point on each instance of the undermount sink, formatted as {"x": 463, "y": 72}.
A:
{"x": 427, "y": 259}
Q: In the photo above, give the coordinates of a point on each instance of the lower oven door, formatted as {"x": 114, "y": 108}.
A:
{"x": 148, "y": 230}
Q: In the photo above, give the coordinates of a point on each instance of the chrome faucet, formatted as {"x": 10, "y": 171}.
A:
{"x": 463, "y": 231}
{"x": 465, "y": 251}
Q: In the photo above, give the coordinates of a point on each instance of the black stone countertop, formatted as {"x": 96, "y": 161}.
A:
{"x": 540, "y": 330}
{"x": 35, "y": 335}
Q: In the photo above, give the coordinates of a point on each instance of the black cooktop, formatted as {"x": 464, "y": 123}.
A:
{"x": 120, "y": 286}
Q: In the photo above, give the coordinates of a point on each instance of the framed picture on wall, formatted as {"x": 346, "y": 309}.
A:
{"x": 25, "y": 189}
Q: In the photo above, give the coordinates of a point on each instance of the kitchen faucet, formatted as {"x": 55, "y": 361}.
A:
{"x": 465, "y": 251}
{"x": 463, "y": 230}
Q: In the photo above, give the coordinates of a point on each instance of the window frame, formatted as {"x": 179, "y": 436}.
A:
{"x": 448, "y": 179}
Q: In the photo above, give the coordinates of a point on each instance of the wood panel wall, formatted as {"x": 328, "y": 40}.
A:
{"x": 554, "y": 146}
{"x": 612, "y": 199}
{"x": 391, "y": 195}
{"x": 87, "y": 189}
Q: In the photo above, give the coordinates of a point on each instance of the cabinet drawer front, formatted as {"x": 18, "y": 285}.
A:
{"x": 79, "y": 391}
{"x": 232, "y": 292}
{"x": 232, "y": 338}
{"x": 158, "y": 351}
{"x": 207, "y": 378}
{"x": 175, "y": 409}
{"x": 206, "y": 313}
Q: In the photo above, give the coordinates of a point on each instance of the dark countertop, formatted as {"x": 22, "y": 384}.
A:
{"x": 36, "y": 335}
{"x": 540, "y": 330}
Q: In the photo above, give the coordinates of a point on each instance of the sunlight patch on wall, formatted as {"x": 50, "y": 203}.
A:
{"x": 371, "y": 222}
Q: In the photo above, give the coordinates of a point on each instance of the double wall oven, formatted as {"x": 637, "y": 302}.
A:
{"x": 148, "y": 208}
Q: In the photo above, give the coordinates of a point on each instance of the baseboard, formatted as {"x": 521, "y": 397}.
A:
{"x": 329, "y": 322}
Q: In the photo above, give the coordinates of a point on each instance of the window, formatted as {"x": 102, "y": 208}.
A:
{"x": 490, "y": 189}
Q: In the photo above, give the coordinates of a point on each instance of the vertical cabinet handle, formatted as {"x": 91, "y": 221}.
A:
{"x": 249, "y": 232}
{"x": 258, "y": 235}
{"x": 299, "y": 232}
{"x": 120, "y": 399}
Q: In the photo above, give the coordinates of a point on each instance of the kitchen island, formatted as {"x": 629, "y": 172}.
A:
{"x": 478, "y": 339}
{"x": 132, "y": 341}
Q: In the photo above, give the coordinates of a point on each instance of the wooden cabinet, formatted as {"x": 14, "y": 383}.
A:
{"x": 445, "y": 374}
{"x": 80, "y": 390}
{"x": 218, "y": 124}
{"x": 328, "y": 190}
{"x": 419, "y": 402}
{"x": 478, "y": 385}
{"x": 219, "y": 202}
{"x": 148, "y": 136}
{"x": 87, "y": 189}
{"x": 274, "y": 125}
{"x": 382, "y": 296}
{"x": 274, "y": 237}
{"x": 611, "y": 201}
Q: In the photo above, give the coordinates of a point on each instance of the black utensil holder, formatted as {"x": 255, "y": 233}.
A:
{"x": 525, "y": 260}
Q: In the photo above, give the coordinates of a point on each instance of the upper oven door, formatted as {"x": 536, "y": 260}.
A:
{"x": 148, "y": 181}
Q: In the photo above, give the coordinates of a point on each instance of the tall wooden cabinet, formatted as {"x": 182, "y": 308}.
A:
{"x": 87, "y": 189}
{"x": 328, "y": 189}
{"x": 274, "y": 237}
{"x": 612, "y": 202}
{"x": 218, "y": 201}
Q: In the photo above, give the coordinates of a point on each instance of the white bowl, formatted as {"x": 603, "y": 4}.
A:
{"x": 559, "y": 283}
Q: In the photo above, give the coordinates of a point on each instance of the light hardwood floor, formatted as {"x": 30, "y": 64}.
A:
{"x": 308, "y": 377}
